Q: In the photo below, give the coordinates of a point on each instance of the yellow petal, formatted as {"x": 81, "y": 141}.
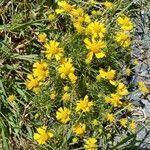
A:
{"x": 100, "y": 55}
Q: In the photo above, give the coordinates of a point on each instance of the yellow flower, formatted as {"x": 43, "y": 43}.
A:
{"x": 63, "y": 115}
{"x": 95, "y": 122}
{"x": 51, "y": 17}
{"x": 108, "y": 5}
{"x": 52, "y": 50}
{"x": 125, "y": 23}
{"x": 142, "y": 87}
{"x": 122, "y": 90}
{"x": 123, "y": 122}
{"x": 11, "y": 98}
{"x": 72, "y": 78}
{"x": 42, "y": 135}
{"x": 79, "y": 129}
{"x": 64, "y": 7}
{"x": 110, "y": 117}
{"x": 40, "y": 70}
{"x": 66, "y": 96}
{"x": 32, "y": 83}
{"x": 100, "y": 131}
{"x": 84, "y": 104}
{"x": 109, "y": 74}
{"x": 135, "y": 61}
{"x": 123, "y": 39}
{"x": 95, "y": 48}
{"x": 80, "y": 16}
{"x": 75, "y": 140}
{"x": 130, "y": 107}
{"x": 114, "y": 100}
{"x": 77, "y": 12}
{"x": 79, "y": 28}
{"x": 113, "y": 82}
{"x": 96, "y": 13}
{"x": 132, "y": 126}
{"x": 66, "y": 88}
{"x": 90, "y": 144}
{"x": 66, "y": 69}
{"x": 42, "y": 37}
{"x": 128, "y": 71}
{"x": 53, "y": 96}
{"x": 92, "y": 2}
{"x": 96, "y": 29}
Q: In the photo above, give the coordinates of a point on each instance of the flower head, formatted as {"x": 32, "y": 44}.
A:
{"x": 32, "y": 83}
{"x": 79, "y": 129}
{"x": 125, "y": 23}
{"x": 90, "y": 144}
{"x": 66, "y": 96}
{"x": 42, "y": 37}
{"x": 40, "y": 70}
{"x": 96, "y": 29}
{"x": 64, "y": 7}
{"x": 114, "y": 100}
{"x": 132, "y": 126}
{"x": 122, "y": 90}
{"x": 42, "y": 135}
{"x": 73, "y": 78}
{"x": 63, "y": 115}
{"x": 51, "y": 17}
{"x": 95, "y": 122}
{"x": 53, "y": 95}
{"x": 142, "y": 87}
{"x": 96, "y": 13}
{"x": 110, "y": 117}
{"x": 123, "y": 39}
{"x": 66, "y": 88}
{"x": 128, "y": 71}
{"x": 95, "y": 48}
{"x": 11, "y": 98}
{"x": 79, "y": 27}
{"x": 53, "y": 50}
{"x": 66, "y": 69}
{"x": 79, "y": 16}
{"x": 123, "y": 122}
{"x": 108, "y": 5}
{"x": 109, "y": 74}
{"x": 84, "y": 104}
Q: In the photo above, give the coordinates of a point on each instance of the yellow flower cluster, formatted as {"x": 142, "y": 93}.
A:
{"x": 124, "y": 122}
{"x": 39, "y": 74}
{"x": 115, "y": 98}
{"x": 83, "y": 24}
{"x": 83, "y": 105}
{"x": 123, "y": 37}
{"x": 75, "y": 105}
{"x": 108, "y": 75}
